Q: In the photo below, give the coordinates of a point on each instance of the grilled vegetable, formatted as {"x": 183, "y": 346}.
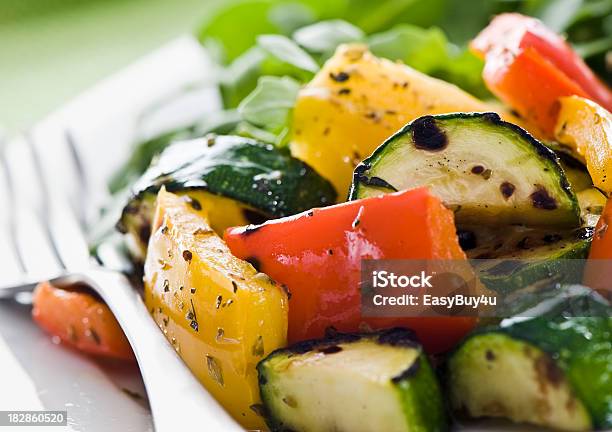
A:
{"x": 530, "y": 67}
{"x": 81, "y": 320}
{"x": 553, "y": 370}
{"x": 574, "y": 168}
{"x": 592, "y": 203}
{"x": 219, "y": 313}
{"x": 536, "y": 259}
{"x": 358, "y": 100}
{"x": 233, "y": 179}
{"x": 349, "y": 382}
{"x": 318, "y": 254}
{"x": 598, "y": 272}
{"x": 586, "y": 127}
{"x": 487, "y": 170}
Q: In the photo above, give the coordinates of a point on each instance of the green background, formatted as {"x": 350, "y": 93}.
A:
{"x": 51, "y": 50}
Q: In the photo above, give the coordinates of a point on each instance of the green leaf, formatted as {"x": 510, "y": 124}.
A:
{"x": 464, "y": 69}
{"x": 376, "y": 15}
{"x": 269, "y": 105}
{"x": 247, "y": 130}
{"x": 219, "y": 122}
{"x": 288, "y": 51}
{"x": 557, "y": 14}
{"x": 325, "y": 36}
{"x": 291, "y": 16}
{"x": 235, "y": 26}
{"x": 240, "y": 78}
{"x": 594, "y": 47}
{"x": 423, "y": 49}
{"x": 428, "y": 51}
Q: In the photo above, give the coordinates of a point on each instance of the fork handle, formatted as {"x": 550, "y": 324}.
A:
{"x": 178, "y": 401}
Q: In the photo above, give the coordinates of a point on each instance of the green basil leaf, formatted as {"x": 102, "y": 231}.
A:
{"x": 325, "y": 36}
{"x": 269, "y": 105}
{"x": 423, "y": 49}
{"x": 235, "y": 27}
{"x": 240, "y": 78}
{"x": 248, "y": 130}
{"x": 288, "y": 51}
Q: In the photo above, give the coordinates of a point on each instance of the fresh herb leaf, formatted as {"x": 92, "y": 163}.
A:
{"x": 429, "y": 51}
{"x": 145, "y": 151}
{"x": 372, "y": 16}
{"x": 595, "y": 47}
{"x": 424, "y": 49}
{"x": 240, "y": 78}
{"x": 291, "y": 16}
{"x": 287, "y": 51}
{"x": 556, "y": 14}
{"x": 325, "y": 36}
{"x": 235, "y": 27}
{"x": 269, "y": 105}
{"x": 464, "y": 69}
{"x": 248, "y": 130}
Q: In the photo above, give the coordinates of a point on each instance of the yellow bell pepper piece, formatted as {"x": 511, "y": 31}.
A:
{"x": 357, "y": 101}
{"x": 587, "y": 128}
{"x": 219, "y": 313}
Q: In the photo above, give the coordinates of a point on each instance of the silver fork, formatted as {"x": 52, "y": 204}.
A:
{"x": 41, "y": 239}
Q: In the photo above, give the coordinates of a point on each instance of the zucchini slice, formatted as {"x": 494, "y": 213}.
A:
{"x": 552, "y": 370}
{"x": 538, "y": 259}
{"x": 487, "y": 170}
{"x": 235, "y": 180}
{"x": 348, "y": 382}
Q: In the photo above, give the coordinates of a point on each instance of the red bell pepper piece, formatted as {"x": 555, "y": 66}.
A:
{"x": 317, "y": 255}
{"x": 532, "y": 86}
{"x": 598, "y": 269}
{"x": 80, "y": 320}
{"x": 545, "y": 64}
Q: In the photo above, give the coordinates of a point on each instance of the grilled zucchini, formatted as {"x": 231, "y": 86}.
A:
{"x": 532, "y": 257}
{"x": 348, "y": 382}
{"x": 553, "y": 369}
{"x": 487, "y": 170}
{"x": 235, "y": 180}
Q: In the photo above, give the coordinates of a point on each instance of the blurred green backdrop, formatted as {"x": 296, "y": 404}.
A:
{"x": 51, "y": 50}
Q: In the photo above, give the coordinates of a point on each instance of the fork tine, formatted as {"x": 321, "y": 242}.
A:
{"x": 60, "y": 222}
{"x": 10, "y": 263}
{"x": 32, "y": 244}
{"x": 82, "y": 195}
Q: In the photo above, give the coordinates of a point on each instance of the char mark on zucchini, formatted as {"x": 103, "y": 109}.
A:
{"x": 490, "y": 171}
{"x": 551, "y": 367}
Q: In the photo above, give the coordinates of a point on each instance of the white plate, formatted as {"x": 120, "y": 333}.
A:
{"x": 37, "y": 374}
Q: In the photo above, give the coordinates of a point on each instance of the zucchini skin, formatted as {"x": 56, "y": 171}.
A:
{"x": 417, "y": 386}
{"x": 581, "y": 348}
{"x": 259, "y": 175}
{"x": 361, "y": 179}
{"x": 264, "y": 181}
{"x": 561, "y": 262}
{"x": 574, "y": 328}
